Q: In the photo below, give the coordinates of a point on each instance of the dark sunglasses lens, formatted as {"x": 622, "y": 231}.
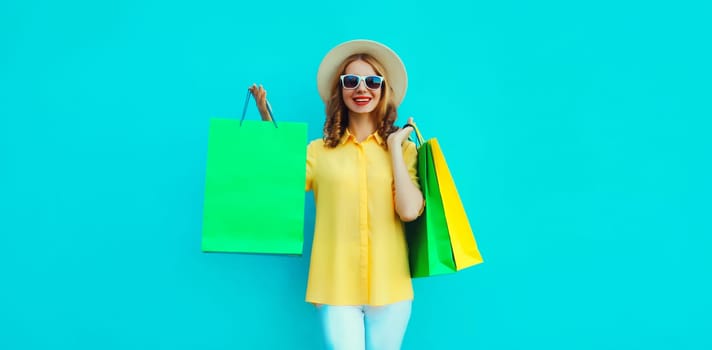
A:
{"x": 350, "y": 81}
{"x": 374, "y": 82}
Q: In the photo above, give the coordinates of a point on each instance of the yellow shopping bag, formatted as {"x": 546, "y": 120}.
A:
{"x": 462, "y": 239}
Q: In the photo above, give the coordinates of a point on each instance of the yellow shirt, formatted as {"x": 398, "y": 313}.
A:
{"x": 359, "y": 255}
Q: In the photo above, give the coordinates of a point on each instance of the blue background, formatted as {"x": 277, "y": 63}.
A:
{"x": 577, "y": 133}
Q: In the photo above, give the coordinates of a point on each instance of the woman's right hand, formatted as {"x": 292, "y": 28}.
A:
{"x": 260, "y": 95}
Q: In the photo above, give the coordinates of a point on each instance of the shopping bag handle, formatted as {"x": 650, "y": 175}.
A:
{"x": 418, "y": 136}
{"x": 244, "y": 109}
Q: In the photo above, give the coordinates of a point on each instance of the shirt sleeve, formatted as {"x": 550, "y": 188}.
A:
{"x": 410, "y": 156}
{"x": 310, "y": 167}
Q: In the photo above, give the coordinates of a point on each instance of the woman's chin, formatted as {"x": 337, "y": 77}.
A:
{"x": 361, "y": 109}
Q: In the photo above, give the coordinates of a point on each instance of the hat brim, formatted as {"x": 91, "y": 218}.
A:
{"x": 395, "y": 74}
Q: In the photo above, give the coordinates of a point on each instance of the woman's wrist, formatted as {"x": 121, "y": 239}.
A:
{"x": 394, "y": 146}
{"x": 265, "y": 115}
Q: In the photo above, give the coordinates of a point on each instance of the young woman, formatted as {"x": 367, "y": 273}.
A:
{"x": 363, "y": 174}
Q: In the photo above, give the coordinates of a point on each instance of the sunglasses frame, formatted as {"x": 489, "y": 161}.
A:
{"x": 360, "y": 79}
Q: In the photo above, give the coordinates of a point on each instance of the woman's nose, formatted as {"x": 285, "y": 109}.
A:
{"x": 361, "y": 85}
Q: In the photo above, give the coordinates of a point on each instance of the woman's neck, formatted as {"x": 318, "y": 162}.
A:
{"x": 361, "y": 126}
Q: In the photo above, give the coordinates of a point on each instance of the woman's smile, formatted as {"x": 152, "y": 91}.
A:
{"x": 362, "y": 100}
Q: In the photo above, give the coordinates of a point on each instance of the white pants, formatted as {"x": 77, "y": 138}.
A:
{"x": 365, "y": 327}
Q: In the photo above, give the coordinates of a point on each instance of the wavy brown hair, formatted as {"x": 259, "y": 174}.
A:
{"x": 337, "y": 113}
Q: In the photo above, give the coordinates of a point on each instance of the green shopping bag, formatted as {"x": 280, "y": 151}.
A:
{"x": 254, "y": 188}
{"x": 429, "y": 249}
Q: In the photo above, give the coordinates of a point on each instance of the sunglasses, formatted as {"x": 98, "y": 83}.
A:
{"x": 351, "y": 81}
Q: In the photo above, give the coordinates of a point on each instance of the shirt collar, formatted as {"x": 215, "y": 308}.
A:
{"x": 348, "y": 136}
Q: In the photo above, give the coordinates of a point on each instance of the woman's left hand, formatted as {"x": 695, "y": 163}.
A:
{"x": 396, "y": 139}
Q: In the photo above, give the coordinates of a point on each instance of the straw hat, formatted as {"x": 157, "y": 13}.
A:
{"x": 395, "y": 74}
